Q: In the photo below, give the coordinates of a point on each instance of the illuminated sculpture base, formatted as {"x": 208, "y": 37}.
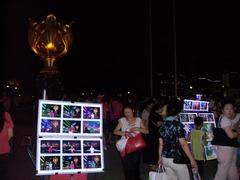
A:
{"x": 51, "y": 81}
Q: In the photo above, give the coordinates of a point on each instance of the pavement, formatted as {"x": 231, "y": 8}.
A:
{"x": 22, "y": 167}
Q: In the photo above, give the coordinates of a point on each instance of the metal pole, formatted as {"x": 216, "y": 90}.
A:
{"x": 175, "y": 52}
{"x": 44, "y": 94}
{"x": 150, "y": 47}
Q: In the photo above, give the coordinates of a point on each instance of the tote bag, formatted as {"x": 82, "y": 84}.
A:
{"x": 195, "y": 174}
{"x": 121, "y": 145}
{"x": 159, "y": 174}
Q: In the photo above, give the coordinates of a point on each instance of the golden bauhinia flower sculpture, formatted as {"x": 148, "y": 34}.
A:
{"x": 50, "y": 39}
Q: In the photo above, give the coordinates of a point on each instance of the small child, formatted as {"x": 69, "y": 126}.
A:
{"x": 198, "y": 140}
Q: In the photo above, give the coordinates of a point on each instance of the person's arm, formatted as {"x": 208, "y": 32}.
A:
{"x": 145, "y": 122}
{"x": 10, "y": 125}
{"x": 117, "y": 130}
{"x": 10, "y": 133}
{"x": 236, "y": 126}
{"x": 159, "y": 123}
{"x": 231, "y": 133}
{"x": 187, "y": 151}
{"x": 160, "y": 149}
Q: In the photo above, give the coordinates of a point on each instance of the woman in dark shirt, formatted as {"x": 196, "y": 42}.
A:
{"x": 150, "y": 153}
{"x": 172, "y": 138}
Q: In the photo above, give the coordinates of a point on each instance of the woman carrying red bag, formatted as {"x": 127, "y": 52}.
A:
{"x": 128, "y": 126}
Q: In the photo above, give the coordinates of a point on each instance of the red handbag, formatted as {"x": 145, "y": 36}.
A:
{"x": 135, "y": 143}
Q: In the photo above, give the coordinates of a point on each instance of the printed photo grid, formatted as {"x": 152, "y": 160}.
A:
{"x": 194, "y": 105}
{"x": 189, "y": 117}
{"x": 64, "y": 118}
{"x": 69, "y": 155}
{"x": 69, "y": 138}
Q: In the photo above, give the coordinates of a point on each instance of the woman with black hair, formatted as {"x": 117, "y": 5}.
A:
{"x": 227, "y": 152}
{"x": 6, "y": 133}
{"x": 127, "y": 126}
{"x": 150, "y": 153}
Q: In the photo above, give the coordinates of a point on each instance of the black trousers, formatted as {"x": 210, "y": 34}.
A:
{"x": 200, "y": 167}
{"x": 4, "y": 160}
{"x": 131, "y": 166}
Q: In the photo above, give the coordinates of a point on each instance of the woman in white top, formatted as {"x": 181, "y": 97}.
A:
{"x": 126, "y": 126}
{"x": 227, "y": 155}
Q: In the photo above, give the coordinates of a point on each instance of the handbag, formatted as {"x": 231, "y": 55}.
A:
{"x": 159, "y": 174}
{"x": 221, "y": 138}
{"x": 135, "y": 143}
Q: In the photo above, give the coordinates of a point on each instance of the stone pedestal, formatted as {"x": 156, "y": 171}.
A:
{"x": 50, "y": 80}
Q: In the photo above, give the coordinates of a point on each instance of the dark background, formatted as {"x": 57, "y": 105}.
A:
{"x": 110, "y": 47}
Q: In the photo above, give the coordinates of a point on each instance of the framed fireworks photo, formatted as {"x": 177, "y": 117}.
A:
{"x": 69, "y": 138}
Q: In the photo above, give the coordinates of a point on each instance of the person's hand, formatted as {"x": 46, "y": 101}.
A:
{"x": 134, "y": 129}
{"x": 236, "y": 126}
{"x": 128, "y": 134}
{"x": 194, "y": 164}
{"x": 159, "y": 123}
{"x": 238, "y": 132}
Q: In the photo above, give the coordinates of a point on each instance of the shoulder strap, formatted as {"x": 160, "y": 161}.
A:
{"x": 219, "y": 121}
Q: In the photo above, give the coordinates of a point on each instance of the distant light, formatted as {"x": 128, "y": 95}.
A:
{"x": 190, "y": 87}
{"x": 91, "y": 93}
{"x": 7, "y": 86}
{"x": 83, "y": 94}
{"x": 15, "y": 87}
{"x": 128, "y": 92}
{"x": 19, "y": 95}
{"x": 222, "y": 86}
{"x": 32, "y": 96}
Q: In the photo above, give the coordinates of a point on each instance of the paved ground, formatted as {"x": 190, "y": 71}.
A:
{"x": 22, "y": 168}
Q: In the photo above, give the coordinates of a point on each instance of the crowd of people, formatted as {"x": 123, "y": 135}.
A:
{"x": 165, "y": 137}
{"x": 157, "y": 120}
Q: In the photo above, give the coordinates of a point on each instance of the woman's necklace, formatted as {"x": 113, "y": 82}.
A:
{"x": 131, "y": 122}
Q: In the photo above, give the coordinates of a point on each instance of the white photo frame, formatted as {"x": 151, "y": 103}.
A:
{"x": 60, "y": 137}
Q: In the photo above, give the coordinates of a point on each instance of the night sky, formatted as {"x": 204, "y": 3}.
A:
{"x": 111, "y": 41}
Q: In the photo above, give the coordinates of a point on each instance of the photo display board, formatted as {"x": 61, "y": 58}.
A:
{"x": 192, "y": 109}
{"x": 69, "y": 138}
